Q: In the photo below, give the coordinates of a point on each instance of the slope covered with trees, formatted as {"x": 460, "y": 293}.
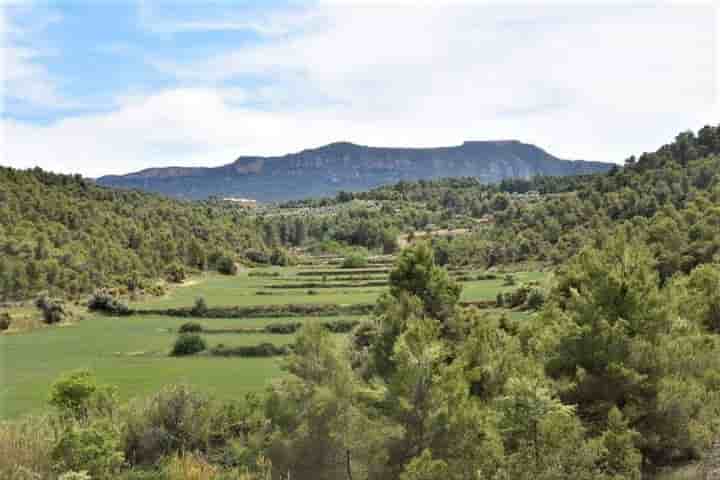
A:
{"x": 65, "y": 235}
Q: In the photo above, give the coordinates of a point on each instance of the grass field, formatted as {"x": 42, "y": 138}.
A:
{"x": 132, "y": 352}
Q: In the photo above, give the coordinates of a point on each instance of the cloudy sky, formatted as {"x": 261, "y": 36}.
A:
{"x": 103, "y": 87}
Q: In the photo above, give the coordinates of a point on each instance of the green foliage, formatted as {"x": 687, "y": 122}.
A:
{"x": 175, "y": 273}
{"x": 188, "y": 344}
{"x": 535, "y": 299}
{"x": 355, "y": 260}
{"x": 697, "y": 296}
{"x": 226, "y": 265}
{"x": 53, "y": 311}
{"x": 417, "y": 274}
{"x": 618, "y": 347}
{"x": 5, "y": 321}
{"x": 175, "y": 419}
{"x": 200, "y": 307}
{"x": 620, "y": 459}
{"x": 77, "y": 394}
{"x": 190, "y": 327}
{"x": 102, "y": 301}
{"x": 67, "y": 236}
{"x": 94, "y": 449}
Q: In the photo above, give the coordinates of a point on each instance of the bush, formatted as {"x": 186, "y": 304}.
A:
{"x": 188, "y": 344}
{"x": 177, "y": 419}
{"x": 509, "y": 281}
{"x": 340, "y": 326}
{"x": 93, "y": 449}
{"x": 226, "y": 265}
{"x": 104, "y": 302}
{"x": 264, "y": 349}
{"x": 200, "y": 308}
{"x": 535, "y": 299}
{"x": 257, "y": 256}
{"x": 283, "y": 328}
{"x": 5, "y": 321}
{"x": 77, "y": 393}
{"x": 175, "y": 273}
{"x": 355, "y": 260}
{"x": 280, "y": 258}
{"x": 190, "y": 327}
{"x": 53, "y": 311}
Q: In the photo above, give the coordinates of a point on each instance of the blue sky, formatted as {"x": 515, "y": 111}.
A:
{"x": 110, "y": 87}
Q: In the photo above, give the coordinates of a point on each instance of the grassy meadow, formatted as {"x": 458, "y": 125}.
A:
{"x": 133, "y": 352}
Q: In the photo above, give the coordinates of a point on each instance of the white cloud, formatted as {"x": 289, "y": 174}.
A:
{"x": 592, "y": 83}
{"x": 24, "y": 75}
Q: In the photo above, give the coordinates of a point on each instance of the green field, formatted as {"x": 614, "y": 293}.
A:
{"x": 132, "y": 352}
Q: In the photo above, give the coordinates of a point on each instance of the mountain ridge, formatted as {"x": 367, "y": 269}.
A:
{"x": 344, "y": 165}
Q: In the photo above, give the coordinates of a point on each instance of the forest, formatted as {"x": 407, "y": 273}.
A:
{"x": 610, "y": 371}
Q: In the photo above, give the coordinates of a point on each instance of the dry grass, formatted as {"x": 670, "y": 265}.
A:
{"x": 189, "y": 466}
{"x": 26, "y": 447}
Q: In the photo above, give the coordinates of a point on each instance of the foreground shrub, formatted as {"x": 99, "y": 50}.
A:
{"x": 188, "y": 344}
{"x": 191, "y": 327}
{"x": 77, "y": 393}
{"x": 53, "y": 311}
{"x": 94, "y": 449}
{"x": 104, "y": 302}
{"x": 177, "y": 419}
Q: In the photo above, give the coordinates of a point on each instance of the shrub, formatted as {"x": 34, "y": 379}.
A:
{"x": 355, "y": 260}
{"x": 175, "y": 273}
{"x": 226, "y": 265}
{"x": 341, "y": 325}
{"x": 94, "y": 449}
{"x": 509, "y": 281}
{"x": 283, "y": 328}
{"x": 102, "y": 301}
{"x": 188, "y": 344}
{"x": 190, "y": 327}
{"x": 200, "y": 308}
{"x": 264, "y": 349}
{"x": 177, "y": 419}
{"x": 535, "y": 299}
{"x": 53, "y": 311}
{"x": 5, "y": 321}
{"x": 280, "y": 258}
{"x": 77, "y": 393}
{"x": 257, "y": 256}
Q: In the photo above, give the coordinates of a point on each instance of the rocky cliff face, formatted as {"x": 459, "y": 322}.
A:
{"x": 346, "y": 166}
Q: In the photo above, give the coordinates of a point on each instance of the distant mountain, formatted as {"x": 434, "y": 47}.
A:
{"x": 346, "y": 166}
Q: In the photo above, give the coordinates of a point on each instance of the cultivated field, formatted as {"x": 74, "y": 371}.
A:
{"x": 133, "y": 352}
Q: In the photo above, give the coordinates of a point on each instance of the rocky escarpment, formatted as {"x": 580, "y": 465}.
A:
{"x": 347, "y": 166}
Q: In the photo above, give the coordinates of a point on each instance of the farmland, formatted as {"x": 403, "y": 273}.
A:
{"x": 133, "y": 352}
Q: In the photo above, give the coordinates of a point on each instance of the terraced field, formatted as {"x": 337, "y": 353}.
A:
{"x": 133, "y": 352}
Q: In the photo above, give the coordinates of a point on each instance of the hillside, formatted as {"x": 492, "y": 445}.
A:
{"x": 66, "y": 236}
{"x": 347, "y": 166}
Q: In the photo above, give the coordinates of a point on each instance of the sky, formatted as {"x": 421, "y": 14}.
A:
{"x": 108, "y": 87}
